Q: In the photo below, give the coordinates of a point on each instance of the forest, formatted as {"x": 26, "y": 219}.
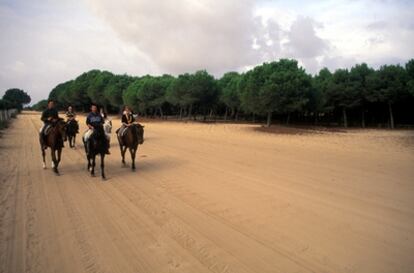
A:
{"x": 275, "y": 92}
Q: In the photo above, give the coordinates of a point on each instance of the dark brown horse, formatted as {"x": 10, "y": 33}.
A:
{"x": 54, "y": 140}
{"x": 72, "y": 128}
{"x": 96, "y": 145}
{"x": 133, "y": 136}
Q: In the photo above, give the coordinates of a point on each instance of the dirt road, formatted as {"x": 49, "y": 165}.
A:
{"x": 211, "y": 198}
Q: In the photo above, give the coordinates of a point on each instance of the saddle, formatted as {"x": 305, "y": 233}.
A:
{"x": 122, "y": 131}
{"x": 47, "y": 129}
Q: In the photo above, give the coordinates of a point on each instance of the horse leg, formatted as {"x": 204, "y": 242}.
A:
{"x": 74, "y": 142}
{"x": 59, "y": 155}
{"x": 43, "y": 156}
{"x": 132, "y": 152}
{"x": 88, "y": 167}
{"x": 93, "y": 166}
{"x": 123, "y": 150}
{"x": 54, "y": 161}
{"x": 103, "y": 166}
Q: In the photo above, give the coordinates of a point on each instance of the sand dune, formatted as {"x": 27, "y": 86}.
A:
{"x": 212, "y": 198}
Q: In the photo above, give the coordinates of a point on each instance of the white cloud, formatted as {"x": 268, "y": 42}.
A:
{"x": 45, "y": 42}
{"x": 183, "y": 36}
{"x": 40, "y": 51}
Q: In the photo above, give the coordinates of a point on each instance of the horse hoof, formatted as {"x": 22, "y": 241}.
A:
{"x": 44, "y": 166}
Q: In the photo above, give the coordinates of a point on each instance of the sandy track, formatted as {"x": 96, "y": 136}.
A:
{"x": 212, "y": 198}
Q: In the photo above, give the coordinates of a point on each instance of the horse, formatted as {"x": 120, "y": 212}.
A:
{"x": 130, "y": 139}
{"x": 95, "y": 145}
{"x": 72, "y": 128}
{"x": 53, "y": 140}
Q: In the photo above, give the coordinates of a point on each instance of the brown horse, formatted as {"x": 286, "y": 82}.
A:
{"x": 133, "y": 136}
{"x": 54, "y": 140}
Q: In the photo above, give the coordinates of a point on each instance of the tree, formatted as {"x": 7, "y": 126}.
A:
{"x": 15, "y": 97}
{"x": 151, "y": 93}
{"x": 230, "y": 92}
{"x": 97, "y": 86}
{"x": 292, "y": 87}
{"x": 178, "y": 93}
{"x": 116, "y": 86}
{"x": 317, "y": 96}
{"x": 78, "y": 91}
{"x": 388, "y": 85}
{"x": 358, "y": 86}
{"x": 341, "y": 94}
{"x": 254, "y": 98}
{"x": 409, "y": 67}
{"x": 4, "y": 104}
{"x": 280, "y": 87}
{"x": 40, "y": 106}
{"x": 60, "y": 94}
{"x": 129, "y": 97}
{"x": 203, "y": 91}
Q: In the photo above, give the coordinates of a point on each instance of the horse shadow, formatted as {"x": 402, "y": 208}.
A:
{"x": 114, "y": 169}
{"x": 144, "y": 164}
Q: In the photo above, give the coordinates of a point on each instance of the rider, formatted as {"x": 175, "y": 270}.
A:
{"x": 127, "y": 120}
{"x": 93, "y": 120}
{"x": 48, "y": 116}
{"x": 70, "y": 116}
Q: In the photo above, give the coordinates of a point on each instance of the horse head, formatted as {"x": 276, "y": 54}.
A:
{"x": 98, "y": 132}
{"x": 71, "y": 127}
{"x": 60, "y": 126}
{"x": 107, "y": 126}
{"x": 140, "y": 133}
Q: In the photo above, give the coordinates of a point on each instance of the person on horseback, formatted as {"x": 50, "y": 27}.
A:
{"x": 93, "y": 120}
{"x": 49, "y": 115}
{"x": 127, "y": 120}
{"x": 70, "y": 117}
{"x": 130, "y": 135}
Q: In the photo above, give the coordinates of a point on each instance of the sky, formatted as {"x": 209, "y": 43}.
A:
{"x": 46, "y": 42}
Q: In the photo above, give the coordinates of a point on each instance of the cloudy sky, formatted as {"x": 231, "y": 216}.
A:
{"x": 46, "y": 42}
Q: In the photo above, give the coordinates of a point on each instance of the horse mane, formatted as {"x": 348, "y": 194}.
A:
{"x": 99, "y": 132}
{"x": 54, "y": 137}
{"x": 133, "y": 135}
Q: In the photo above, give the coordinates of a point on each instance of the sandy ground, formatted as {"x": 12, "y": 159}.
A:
{"x": 212, "y": 198}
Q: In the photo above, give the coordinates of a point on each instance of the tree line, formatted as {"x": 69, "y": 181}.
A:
{"x": 14, "y": 98}
{"x": 279, "y": 90}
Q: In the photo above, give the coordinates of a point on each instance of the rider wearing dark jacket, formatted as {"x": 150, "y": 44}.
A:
{"x": 95, "y": 119}
{"x": 127, "y": 120}
{"x": 70, "y": 118}
{"x": 48, "y": 116}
